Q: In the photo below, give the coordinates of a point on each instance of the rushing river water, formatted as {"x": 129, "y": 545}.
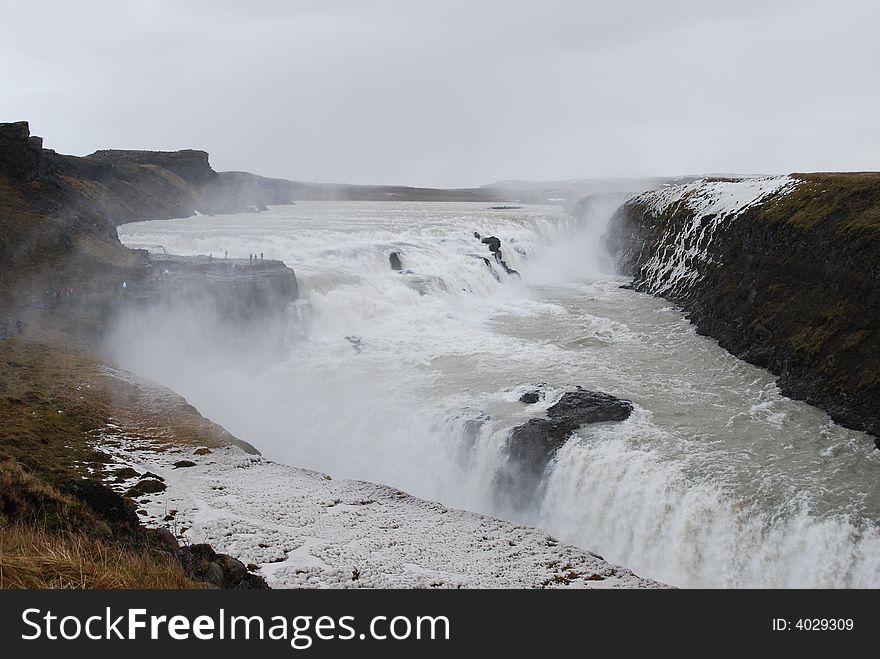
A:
{"x": 715, "y": 480}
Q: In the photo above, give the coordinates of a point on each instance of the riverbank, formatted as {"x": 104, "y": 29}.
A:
{"x": 69, "y": 417}
{"x": 107, "y": 479}
{"x": 304, "y": 529}
{"x": 67, "y": 518}
{"x": 782, "y": 271}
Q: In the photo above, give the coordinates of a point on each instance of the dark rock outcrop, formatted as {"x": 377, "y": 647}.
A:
{"x": 129, "y": 185}
{"x": 233, "y": 289}
{"x": 790, "y": 283}
{"x": 533, "y": 395}
{"x": 201, "y": 563}
{"x": 494, "y": 244}
{"x": 19, "y": 152}
{"x": 163, "y": 539}
{"x": 189, "y": 164}
{"x": 394, "y": 260}
{"x": 145, "y": 486}
{"x": 535, "y": 441}
{"x": 115, "y": 509}
{"x": 532, "y": 445}
{"x": 60, "y": 253}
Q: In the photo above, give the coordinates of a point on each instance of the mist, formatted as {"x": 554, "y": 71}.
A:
{"x": 343, "y": 380}
{"x": 371, "y": 241}
{"x": 413, "y": 379}
{"x": 455, "y": 94}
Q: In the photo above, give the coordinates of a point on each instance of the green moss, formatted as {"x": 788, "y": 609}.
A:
{"x": 869, "y": 377}
{"x": 849, "y": 202}
{"x": 810, "y": 340}
{"x": 837, "y": 314}
{"x": 855, "y": 339}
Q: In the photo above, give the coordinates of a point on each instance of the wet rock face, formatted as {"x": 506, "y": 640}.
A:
{"x": 235, "y": 289}
{"x": 19, "y": 152}
{"x": 577, "y": 408}
{"x": 791, "y": 284}
{"x": 532, "y": 445}
{"x": 533, "y": 395}
{"x": 535, "y": 442}
{"x": 494, "y": 245}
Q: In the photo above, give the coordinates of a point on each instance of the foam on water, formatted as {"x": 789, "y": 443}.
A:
{"x": 716, "y": 480}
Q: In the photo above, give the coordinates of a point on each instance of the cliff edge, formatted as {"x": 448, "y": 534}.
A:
{"x": 60, "y": 255}
{"x": 783, "y": 271}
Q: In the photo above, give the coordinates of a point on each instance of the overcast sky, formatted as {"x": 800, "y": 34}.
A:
{"x": 451, "y": 93}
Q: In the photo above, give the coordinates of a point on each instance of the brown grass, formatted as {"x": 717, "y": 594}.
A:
{"x": 848, "y": 202}
{"x": 50, "y": 540}
{"x": 55, "y": 398}
{"x": 33, "y": 557}
{"x": 24, "y": 498}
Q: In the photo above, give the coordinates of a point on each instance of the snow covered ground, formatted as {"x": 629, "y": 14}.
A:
{"x": 304, "y": 529}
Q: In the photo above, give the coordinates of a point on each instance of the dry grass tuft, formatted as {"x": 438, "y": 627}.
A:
{"x": 32, "y": 557}
{"x": 27, "y": 499}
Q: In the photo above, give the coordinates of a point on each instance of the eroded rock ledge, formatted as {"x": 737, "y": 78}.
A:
{"x": 782, "y": 271}
{"x": 532, "y": 445}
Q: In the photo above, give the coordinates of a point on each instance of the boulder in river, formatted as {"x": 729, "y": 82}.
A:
{"x": 533, "y": 395}
{"x": 532, "y": 445}
{"x": 394, "y": 259}
{"x": 493, "y": 243}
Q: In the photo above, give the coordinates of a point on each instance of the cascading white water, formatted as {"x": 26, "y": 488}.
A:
{"x": 413, "y": 380}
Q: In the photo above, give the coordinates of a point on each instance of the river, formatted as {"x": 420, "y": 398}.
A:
{"x": 716, "y": 480}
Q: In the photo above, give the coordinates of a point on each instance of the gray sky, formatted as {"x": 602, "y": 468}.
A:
{"x": 454, "y": 93}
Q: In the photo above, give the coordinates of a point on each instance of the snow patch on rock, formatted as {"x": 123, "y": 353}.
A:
{"x": 709, "y": 203}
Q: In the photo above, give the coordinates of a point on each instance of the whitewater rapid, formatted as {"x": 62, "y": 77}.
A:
{"x": 413, "y": 379}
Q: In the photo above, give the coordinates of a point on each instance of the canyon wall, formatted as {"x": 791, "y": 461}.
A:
{"x": 782, "y": 271}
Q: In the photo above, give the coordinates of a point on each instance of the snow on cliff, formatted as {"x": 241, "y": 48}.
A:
{"x": 709, "y": 203}
{"x": 304, "y": 529}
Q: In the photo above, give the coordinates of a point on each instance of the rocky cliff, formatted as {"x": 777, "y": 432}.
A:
{"x": 66, "y": 518}
{"x": 232, "y": 289}
{"x": 783, "y": 271}
{"x": 56, "y": 230}
{"x": 61, "y": 262}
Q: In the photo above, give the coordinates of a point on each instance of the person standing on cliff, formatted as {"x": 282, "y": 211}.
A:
{"x": 261, "y": 256}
